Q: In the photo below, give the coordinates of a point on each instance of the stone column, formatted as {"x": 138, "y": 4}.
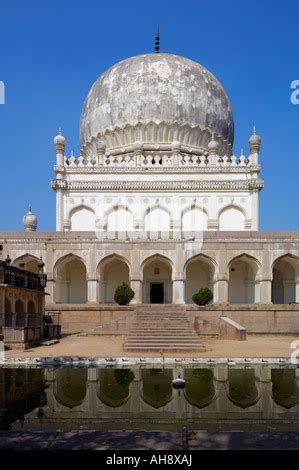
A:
{"x": 92, "y": 289}
{"x": 178, "y": 291}
{"x": 265, "y": 290}
{"x": 50, "y": 287}
{"x": 59, "y": 210}
{"x": 136, "y": 285}
{"x": 176, "y": 228}
{"x": 296, "y": 288}
{"x": 102, "y": 290}
{"x": 221, "y": 289}
{"x": 254, "y": 210}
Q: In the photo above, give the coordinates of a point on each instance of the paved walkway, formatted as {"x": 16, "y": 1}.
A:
{"x": 94, "y": 440}
{"x": 111, "y": 345}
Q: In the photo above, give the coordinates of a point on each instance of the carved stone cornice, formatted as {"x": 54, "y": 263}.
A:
{"x": 173, "y": 186}
{"x": 172, "y": 170}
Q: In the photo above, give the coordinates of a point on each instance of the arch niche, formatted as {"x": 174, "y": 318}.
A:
{"x": 71, "y": 280}
{"x": 156, "y": 273}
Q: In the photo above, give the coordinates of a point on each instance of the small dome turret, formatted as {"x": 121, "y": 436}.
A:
{"x": 59, "y": 141}
{"x": 30, "y": 221}
{"x": 255, "y": 142}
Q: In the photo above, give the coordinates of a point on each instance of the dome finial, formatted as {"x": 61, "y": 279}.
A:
{"x": 157, "y": 40}
{"x": 59, "y": 130}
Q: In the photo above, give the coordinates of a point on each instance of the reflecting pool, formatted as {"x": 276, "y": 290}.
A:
{"x": 142, "y": 398}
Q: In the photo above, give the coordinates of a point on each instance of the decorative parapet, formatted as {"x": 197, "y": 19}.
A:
{"x": 157, "y": 160}
{"x": 174, "y": 186}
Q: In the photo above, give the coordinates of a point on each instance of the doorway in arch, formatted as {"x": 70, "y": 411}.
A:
{"x": 157, "y": 293}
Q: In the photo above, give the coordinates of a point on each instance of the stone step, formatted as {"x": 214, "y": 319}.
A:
{"x": 163, "y": 328}
{"x": 158, "y": 348}
{"x": 162, "y": 333}
{"x": 165, "y": 341}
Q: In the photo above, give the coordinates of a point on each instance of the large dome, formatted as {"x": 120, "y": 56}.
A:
{"x": 157, "y": 99}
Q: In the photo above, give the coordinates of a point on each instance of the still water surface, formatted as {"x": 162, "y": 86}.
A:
{"x": 216, "y": 398}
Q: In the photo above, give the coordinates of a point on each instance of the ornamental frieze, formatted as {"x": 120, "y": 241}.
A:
{"x": 239, "y": 185}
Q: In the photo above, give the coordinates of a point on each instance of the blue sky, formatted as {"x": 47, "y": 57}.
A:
{"x": 52, "y": 51}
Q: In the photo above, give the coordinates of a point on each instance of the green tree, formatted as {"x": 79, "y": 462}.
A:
{"x": 123, "y": 294}
{"x": 203, "y": 296}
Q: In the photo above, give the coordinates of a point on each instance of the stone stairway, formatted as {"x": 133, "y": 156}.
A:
{"x": 162, "y": 328}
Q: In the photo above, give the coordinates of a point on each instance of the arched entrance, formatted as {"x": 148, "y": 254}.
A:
{"x": 284, "y": 283}
{"x": 157, "y": 280}
{"x": 71, "y": 283}
{"x": 199, "y": 274}
{"x": 113, "y": 271}
{"x": 28, "y": 262}
{"x": 243, "y": 287}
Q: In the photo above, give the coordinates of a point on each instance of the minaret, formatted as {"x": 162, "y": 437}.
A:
{"x": 59, "y": 168}
{"x": 254, "y": 147}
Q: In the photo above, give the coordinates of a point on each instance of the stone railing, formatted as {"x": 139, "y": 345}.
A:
{"x": 18, "y": 277}
{"x": 153, "y": 160}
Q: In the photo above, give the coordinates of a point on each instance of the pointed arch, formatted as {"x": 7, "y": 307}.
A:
{"x": 112, "y": 270}
{"x": 242, "y": 387}
{"x": 119, "y": 218}
{"x": 157, "y": 219}
{"x": 232, "y": 217}
{"x": 70, "y": 386}
{"x": 243, "y": 274}
{"x": 82, "y": 218}
{"x": 285, "y": 279}
{"x": 70, "y": 275}
{"x": 200, "y": 389}
{"x": 30, "y": 262}
{"x": 156, "y": 387}
{"x": 113, "y": 386}
{"x": 156, "y": 272}
{"x": 194, "y": 218}
{"x": 199, "y": 272}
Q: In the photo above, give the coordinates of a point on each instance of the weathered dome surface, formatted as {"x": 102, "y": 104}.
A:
{"x": 30, "y": 221}
{"x": 157, "y": 98}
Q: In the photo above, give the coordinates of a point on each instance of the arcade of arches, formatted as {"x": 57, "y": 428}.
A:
{"x": 158, "y": 279}
{"x": 152, "y": 388}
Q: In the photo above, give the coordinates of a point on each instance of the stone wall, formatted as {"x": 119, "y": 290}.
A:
{"x": 103, "y": 318}
{"x": 255, "y": 318}
{"x": 116, "y": 319}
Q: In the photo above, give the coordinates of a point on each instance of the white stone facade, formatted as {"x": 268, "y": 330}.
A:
{"x": 239, "y": 267}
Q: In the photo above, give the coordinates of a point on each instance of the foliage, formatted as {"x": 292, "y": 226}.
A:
{"x": 203, "y": 296}
{"x": 123, "y": 377}
{"x": 205, "y": 375}
{"x": 123, "y": 294}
